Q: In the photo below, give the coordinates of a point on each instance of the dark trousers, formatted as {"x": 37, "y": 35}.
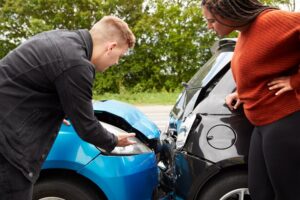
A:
{"x": 274, "y": 160}
{"x": 13, "y": 184}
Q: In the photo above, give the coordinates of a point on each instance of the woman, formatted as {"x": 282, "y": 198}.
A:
{"x": 265, "y": 67}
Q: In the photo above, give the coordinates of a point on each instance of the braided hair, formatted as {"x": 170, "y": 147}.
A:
{"x": 240, "y": 11}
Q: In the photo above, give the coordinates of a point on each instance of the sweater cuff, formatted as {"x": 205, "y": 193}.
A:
{"x": 295, "y": 81}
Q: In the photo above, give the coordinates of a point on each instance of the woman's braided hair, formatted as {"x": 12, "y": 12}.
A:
{"x": 240, "y": 11}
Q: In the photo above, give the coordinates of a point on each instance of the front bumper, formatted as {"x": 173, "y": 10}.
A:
{"x": 182, "y": 174}
{"x": 124, "y": 177}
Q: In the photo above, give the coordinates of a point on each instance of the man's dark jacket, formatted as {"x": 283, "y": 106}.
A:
{"x": 41, "y": 81}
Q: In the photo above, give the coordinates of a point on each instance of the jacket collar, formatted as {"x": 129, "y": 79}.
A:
{"x": 87, "y": 39}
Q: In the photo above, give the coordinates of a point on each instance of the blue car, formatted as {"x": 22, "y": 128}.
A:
{"x": 77, "y": 170}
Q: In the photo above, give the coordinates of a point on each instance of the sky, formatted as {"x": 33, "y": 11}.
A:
{"x": 297, "y": 5}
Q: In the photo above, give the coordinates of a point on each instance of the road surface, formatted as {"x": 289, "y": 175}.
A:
{"x": 159, "y": 114}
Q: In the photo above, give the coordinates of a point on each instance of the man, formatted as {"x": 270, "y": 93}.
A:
{"x": 46, "y": 78}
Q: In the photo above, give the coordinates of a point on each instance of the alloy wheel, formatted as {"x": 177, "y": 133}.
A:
{"x": 238, "y": 194}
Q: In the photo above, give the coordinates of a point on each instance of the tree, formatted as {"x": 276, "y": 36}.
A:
{"x": 172, "y": 39}
{"x": 172, "y": 44}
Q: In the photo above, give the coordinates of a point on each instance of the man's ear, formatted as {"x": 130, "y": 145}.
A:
{"x": 111, "y": 46}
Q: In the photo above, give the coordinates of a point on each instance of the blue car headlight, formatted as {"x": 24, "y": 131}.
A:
{"x": 137, "y": 148}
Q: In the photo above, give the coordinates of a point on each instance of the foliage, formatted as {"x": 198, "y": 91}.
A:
{"x": 142, "y": 98}
{"x": 171, "y": 46}
{"x": 172, "y": 39}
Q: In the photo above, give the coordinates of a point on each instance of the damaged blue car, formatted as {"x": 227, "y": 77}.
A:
{"x": 77, "y": 170}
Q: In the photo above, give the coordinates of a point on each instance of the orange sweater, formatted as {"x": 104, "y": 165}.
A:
{"x": 268, "y": 49}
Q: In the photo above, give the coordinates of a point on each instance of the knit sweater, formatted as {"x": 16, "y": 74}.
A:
{"x": 268, "y": 49}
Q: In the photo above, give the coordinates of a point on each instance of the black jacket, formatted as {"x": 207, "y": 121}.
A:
{"x": 44, "y": 79}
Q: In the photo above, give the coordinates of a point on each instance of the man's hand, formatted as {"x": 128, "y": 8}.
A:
{"x": 232, "y": 101}
{"x": 282, "y": 84}
{"x": 124, "y": 139}
{"x": 66, "y": 122}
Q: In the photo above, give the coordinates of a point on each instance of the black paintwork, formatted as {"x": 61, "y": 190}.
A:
{"x": 218, "y": 140}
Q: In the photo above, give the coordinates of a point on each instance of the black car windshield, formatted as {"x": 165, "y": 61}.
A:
{"x": 203, "y": 76}
{"x": 210, "y": 69}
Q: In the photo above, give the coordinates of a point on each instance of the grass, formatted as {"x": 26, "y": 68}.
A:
{"x": 144, "y": 98}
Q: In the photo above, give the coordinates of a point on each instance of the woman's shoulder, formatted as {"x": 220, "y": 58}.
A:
{"x": 281, "y": 15}
{"x": 273, "y": 18}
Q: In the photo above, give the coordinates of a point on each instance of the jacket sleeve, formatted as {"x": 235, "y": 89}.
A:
{"x": 74, "y": 88}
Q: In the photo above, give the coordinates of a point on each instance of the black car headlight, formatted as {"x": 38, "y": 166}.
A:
{"x": 184, "y": 130}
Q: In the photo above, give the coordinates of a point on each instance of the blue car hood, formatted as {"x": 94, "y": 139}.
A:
{"x": 130, "y": 114}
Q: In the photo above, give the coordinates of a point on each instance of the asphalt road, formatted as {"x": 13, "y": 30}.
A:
{"x": 159, "y": 114}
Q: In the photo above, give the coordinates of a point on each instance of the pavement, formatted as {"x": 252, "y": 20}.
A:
{"x": 159, "y": 114}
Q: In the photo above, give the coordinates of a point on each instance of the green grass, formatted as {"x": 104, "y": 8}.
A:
{"x": 144, "y": 98}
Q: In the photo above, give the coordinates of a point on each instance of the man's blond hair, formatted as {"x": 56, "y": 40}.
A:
{"x": 114, "y": 28}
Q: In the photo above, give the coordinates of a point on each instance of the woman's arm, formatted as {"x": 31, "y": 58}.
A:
{"x": 232, "y": 101}
{"x": 285, "y": 83}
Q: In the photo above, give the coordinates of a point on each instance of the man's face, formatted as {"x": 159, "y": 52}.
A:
{"x": 212, "y": 23}
{"x": 111, "y": 56}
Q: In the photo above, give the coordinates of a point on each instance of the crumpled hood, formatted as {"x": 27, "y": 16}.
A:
{"x": 130, "y": 114}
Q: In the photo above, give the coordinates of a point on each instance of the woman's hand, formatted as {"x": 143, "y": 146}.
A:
{"x": 232, "y": 101}
{"x": 282, "y": 84}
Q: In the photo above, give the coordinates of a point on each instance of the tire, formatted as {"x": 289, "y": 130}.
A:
{"x": 59, "y": 189}
{"x": 227, "y": 186}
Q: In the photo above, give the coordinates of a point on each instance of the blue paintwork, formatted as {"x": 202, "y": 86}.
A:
{"x": 131, "y": 114}
{"x": 119, "y": 177}
{"x": 70, "y": 151}
{"x": 126, "y": 178}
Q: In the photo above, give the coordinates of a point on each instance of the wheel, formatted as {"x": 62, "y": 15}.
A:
{"x": 227, "y": 186}
{"x": 59, "y": 189}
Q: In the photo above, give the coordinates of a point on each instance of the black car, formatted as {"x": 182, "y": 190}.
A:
{"x": 205, "y": 148}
